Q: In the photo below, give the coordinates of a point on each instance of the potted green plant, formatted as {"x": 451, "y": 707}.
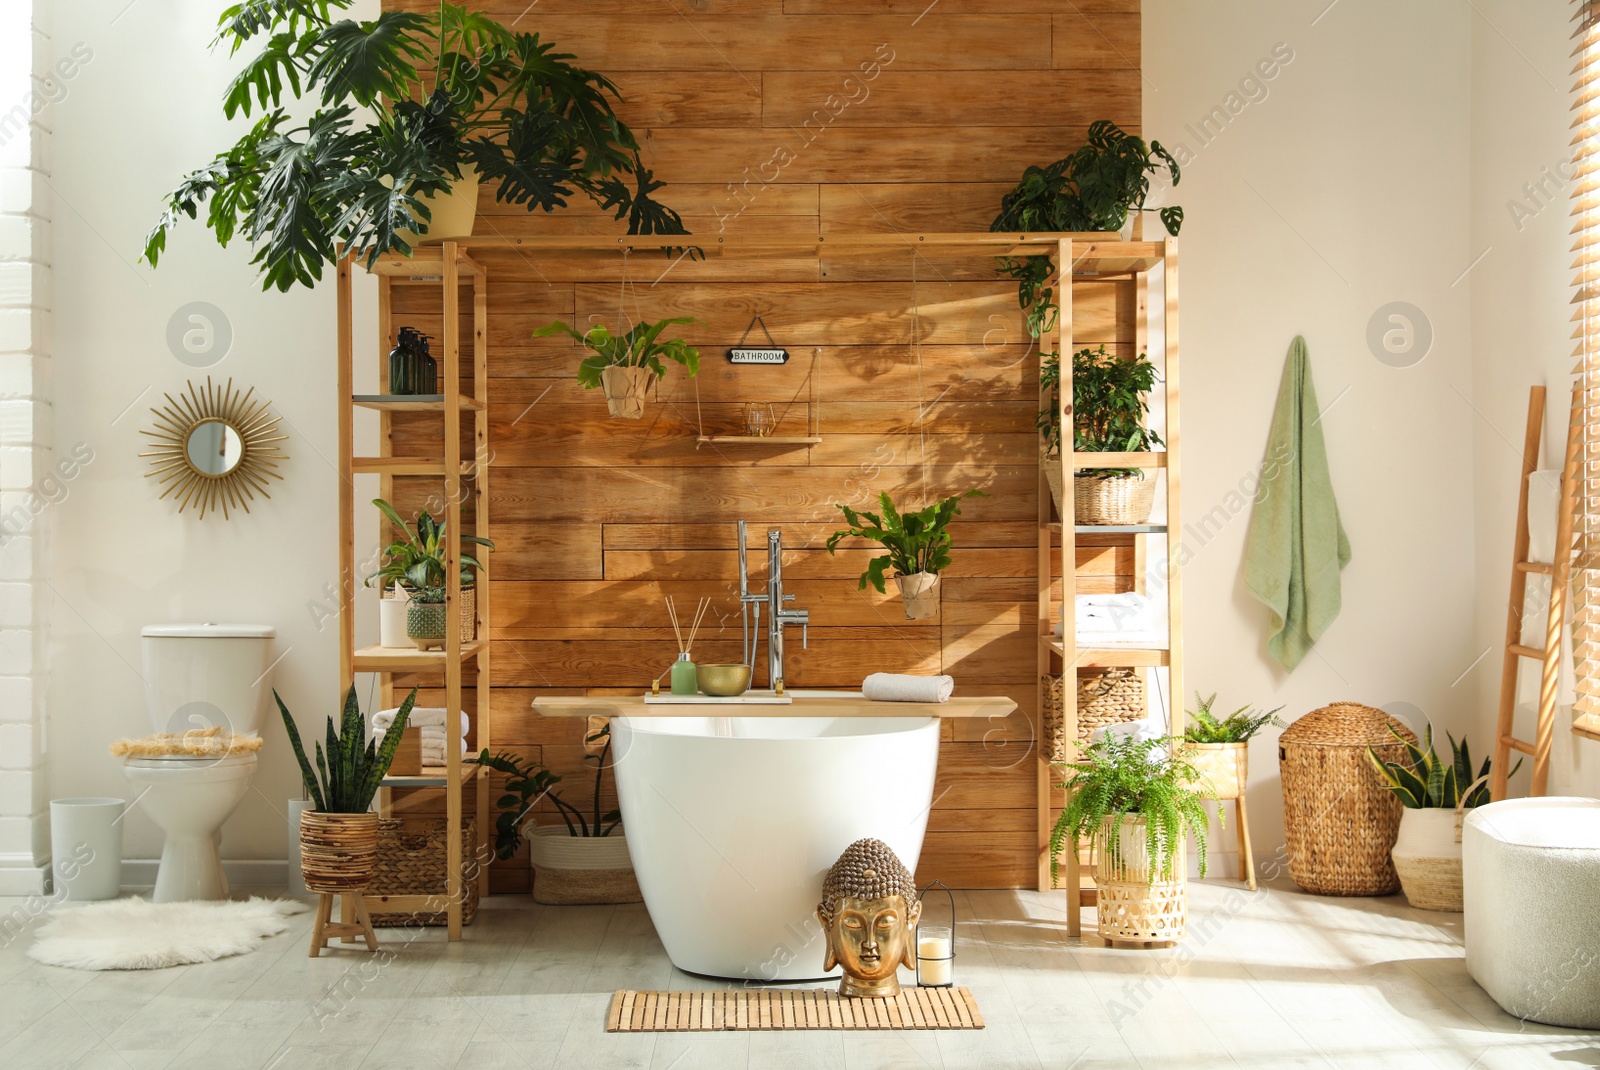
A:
{"x": 339, "y": 836}
{"x": 1110, "y": 403}
{"x": 586, "y": 861}
{"x": 453, "y": 96}
{"x": 626, "y": 365}
{"x": 1436, "y": 795}
{"x": 918, "y": 545}
{"x": 1090, "y": 190}
{"x": 1136, "y": 805}
{"x": 1219, "y": 748}
{"x": 415, "y": 565}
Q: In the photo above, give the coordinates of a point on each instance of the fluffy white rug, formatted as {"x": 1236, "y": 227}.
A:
{"x": 131, "y": 934}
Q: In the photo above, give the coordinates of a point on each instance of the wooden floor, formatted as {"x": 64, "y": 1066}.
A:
{"x": 1266, "y": 980}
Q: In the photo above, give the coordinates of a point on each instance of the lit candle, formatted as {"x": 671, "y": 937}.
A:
{"x": 935, "y": 956}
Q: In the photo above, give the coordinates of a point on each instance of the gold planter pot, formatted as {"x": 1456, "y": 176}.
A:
{"x": 338, "y": 852}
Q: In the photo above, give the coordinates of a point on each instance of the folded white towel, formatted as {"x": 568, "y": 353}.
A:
{"x": 432, "y": 747}
{"x": 893, "y": 687}
{"x": 421, "y": 717}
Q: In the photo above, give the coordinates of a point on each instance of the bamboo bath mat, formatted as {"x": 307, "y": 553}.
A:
{"x": 713, "y": 1010}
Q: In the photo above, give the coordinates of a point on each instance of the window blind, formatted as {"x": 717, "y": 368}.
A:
{"x": 1586, "y": 317}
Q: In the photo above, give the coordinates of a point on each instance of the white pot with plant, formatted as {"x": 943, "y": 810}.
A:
{"x": 1136, "y": 804}
{"x": 625, "y": 366}
{"x": 1110, "y": 405}
{"x": 1436, "y": 796}
{"x": 918, "y": 545}
{"x": 415, "y": 564}
{"x": 586, "y": 861}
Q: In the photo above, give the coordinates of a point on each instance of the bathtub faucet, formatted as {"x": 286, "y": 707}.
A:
{"x": 777, "y": 616}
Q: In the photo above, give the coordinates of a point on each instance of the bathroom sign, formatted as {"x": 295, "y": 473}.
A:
{"x": 771, "y": 354}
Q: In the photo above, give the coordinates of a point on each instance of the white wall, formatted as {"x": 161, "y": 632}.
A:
{"x": 1521, "y": 312}
{"x": 144, "y": 110}
{"x": 1341, "y": 187}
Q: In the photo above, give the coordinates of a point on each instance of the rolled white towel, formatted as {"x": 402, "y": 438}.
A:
{"x": 423, "y": 717}
{"x": 894, "y": 687}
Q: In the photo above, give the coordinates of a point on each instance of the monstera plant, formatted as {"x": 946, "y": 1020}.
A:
{"x": 405, "y": 106}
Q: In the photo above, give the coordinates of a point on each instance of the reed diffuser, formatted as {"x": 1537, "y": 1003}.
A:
{"x": 685, "y": 677}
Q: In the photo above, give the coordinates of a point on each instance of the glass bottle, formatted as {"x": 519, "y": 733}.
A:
{"x": 685, "y": 677}
{"x": 402, "y": 364}
{"x": 427, "y": 369}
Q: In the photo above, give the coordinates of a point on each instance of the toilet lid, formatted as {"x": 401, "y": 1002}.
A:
{"x": 208, "y": 630}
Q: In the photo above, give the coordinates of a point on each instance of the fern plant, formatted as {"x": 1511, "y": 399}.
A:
{"x": 639, "y": 348}
{"x": 349, "y": 772}
{"x": 1119, "y": 777}
{"x": 1238, "y": 726}
{"x": 1424, "y": 782}
{"x": 917, "y": 542}
{"x": 1092, "y": 189}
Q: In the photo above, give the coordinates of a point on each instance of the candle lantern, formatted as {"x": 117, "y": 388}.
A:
{"x": 936, "y": 946}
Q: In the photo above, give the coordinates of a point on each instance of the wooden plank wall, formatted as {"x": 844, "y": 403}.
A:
{"x": 796, "y": 116}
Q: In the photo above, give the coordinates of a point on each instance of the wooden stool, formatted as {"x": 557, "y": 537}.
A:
{"x": 354, "y": 922}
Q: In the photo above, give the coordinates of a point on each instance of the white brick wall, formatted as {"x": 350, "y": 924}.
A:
{"x": 25, "y": 301}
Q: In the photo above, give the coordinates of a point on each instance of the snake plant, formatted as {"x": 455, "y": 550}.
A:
{"x": 1424, "y": 782}
{"x": 349, "y": 772}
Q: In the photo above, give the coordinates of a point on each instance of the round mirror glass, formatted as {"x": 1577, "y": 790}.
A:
{"x": 214, "y": 448}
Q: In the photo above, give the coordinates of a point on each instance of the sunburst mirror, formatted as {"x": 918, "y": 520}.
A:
{"x": 214, "y": 448}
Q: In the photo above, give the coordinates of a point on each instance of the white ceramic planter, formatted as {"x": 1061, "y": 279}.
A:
{"x": 581, "y": 869}
{"x": 1427, "y": 855}
{"x": 392, "y": 621}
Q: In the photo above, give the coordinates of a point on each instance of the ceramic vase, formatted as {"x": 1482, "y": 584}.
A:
{"x": 1427, "y": 855}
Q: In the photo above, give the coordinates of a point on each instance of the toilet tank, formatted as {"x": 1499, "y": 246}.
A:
{"x": 199, "y": 675}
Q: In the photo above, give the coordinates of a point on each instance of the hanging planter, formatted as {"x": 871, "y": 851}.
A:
{"x": 625, "y": 365}
{"x": 920, "y": 594}
{"x": 626, "y": 390}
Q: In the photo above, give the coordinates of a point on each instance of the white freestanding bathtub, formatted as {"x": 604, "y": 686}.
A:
{"x": 734, "y": 821}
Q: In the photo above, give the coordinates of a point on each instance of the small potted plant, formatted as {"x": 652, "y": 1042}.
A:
{"x": 587, "y": 860}
{"x": 1436, "y": 794}
{"x": 1109, "y": 404}
{"x": 1219, "y": 749}
{"x": 1090, "y": 191}
{"x": 404, "y": 115}
{"x": 1136, "y": 805}
{"x": 339, "y": 835}
{"x": 625, "y": 366}
{"x": 415, "y": 565}
{"x": 918, "y": 545}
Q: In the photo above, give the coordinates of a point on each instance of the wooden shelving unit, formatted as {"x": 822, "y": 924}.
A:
{"x": 1061, "y": 655}
{"x": 447, "y": 267}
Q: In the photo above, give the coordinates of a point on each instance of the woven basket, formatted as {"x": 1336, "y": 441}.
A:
{"x": 1114, "y": 499}
{"x": 1129, "y": 905}
{"x": 338, "y": 852}
{"x": 1339, "y": 821}
{"x": 1223, "y": 767}
{"x": 581, "y": 869}
{"x": 1105, "y": 697}
{"x": 412, "y": 859}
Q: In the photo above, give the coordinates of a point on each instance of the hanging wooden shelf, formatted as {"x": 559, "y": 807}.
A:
{"x": 764, "y": 440}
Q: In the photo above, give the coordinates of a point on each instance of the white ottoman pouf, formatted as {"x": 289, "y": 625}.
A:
{"x": 1531, "y": 887}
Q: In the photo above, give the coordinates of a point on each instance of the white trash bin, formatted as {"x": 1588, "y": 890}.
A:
{"x": 86, "y": 848}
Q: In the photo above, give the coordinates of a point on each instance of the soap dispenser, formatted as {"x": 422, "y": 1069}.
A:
{"x": 427, "y": 368}
{"x": 402, "y": 364}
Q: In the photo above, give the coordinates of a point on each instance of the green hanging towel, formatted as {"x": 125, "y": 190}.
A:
{"x": 1296, "y": 544}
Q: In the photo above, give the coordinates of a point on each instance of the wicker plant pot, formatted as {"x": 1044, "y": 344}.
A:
{"x": 1223, "y": 767}
{"x": 338, "y": 852}
{"x": 425, "y": 620}
{"x": 1129, "y": 905}
{"x": 1105, "y": 697}
{"x": 571, "y": 869}
{"x": 1114, "y": 499}
{"x": 1339, "y": 821}
{"x": 626, "y": 390}
{"x": 412, "y": 860}
{"x": 919, "y": 593}
{"x": 1427, "y": 857}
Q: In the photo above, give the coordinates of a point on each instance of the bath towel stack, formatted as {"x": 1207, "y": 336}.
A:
{"x": 431, "y": 719}
{"x": 1129, "y": 619}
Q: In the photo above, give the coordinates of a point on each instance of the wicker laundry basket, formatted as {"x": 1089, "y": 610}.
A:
{"x": 1105, "y": 697}
{"x": 1339, "y": 821}
{"x": 411, "y": 861}
{"x": 1114, "y": 499}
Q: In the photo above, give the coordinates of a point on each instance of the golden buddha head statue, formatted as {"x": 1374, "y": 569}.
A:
{"x": 869, "y": 913}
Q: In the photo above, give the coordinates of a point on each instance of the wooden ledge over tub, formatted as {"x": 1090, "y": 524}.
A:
{"x": 804, "y": 705}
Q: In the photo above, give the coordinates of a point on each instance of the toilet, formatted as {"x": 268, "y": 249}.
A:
{"x": 199, "y": 676}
